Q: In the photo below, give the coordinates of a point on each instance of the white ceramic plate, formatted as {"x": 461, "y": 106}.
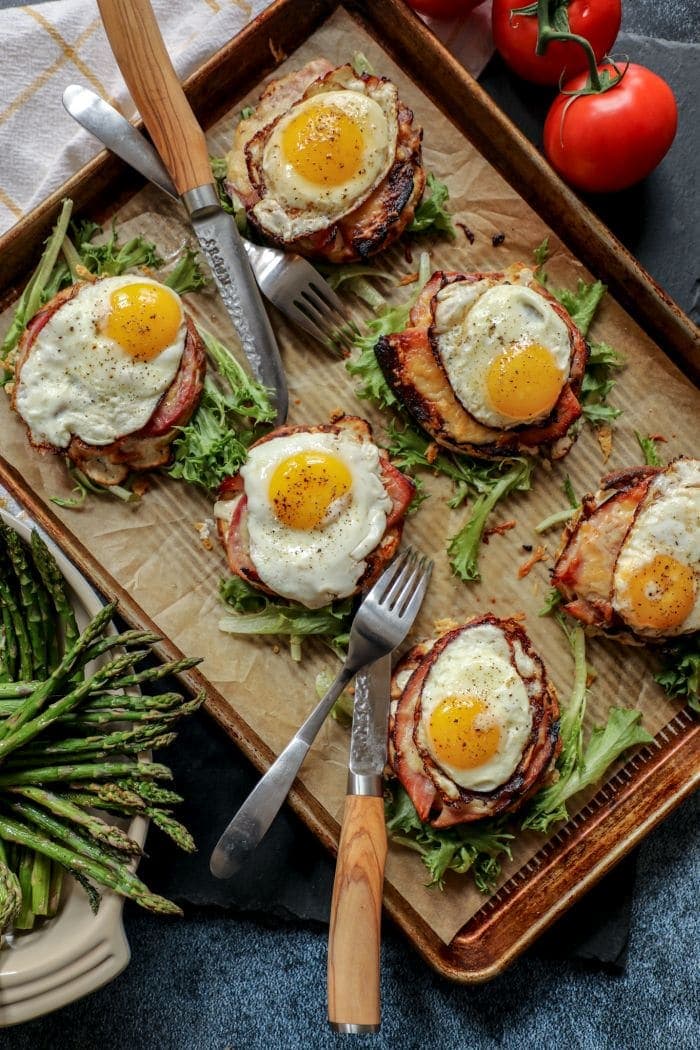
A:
{"x": 77, "y": 952}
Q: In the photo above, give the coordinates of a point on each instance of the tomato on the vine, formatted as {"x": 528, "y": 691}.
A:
{"x": 444, "y": 8}
{"x": 608, "y": 141}
{"x": 515, "y": 36}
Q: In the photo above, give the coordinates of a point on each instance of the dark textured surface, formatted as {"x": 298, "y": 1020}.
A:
{"x": 213, "y": 983}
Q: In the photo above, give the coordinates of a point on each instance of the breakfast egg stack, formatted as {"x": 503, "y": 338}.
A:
{"x": 490, "y": 364}
{"x": 315, "y": 513}
{"x": 474, "y": 725}
{"x": 105, "y": 373}
{"x": 329, "y": 163}
{"x": 630, "y": 560}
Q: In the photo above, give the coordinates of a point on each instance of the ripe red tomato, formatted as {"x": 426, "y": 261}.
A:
{"x": 444, "y": 8}
{"x": 515, "y": 37}
{"x": 609, "y": 141}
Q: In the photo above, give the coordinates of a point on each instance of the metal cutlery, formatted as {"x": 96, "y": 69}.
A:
{"x": 286, "y": 279}
{"x": 382, "y": 621}
{"x": 138, "y": 47}
{"x": 356, "y": 907}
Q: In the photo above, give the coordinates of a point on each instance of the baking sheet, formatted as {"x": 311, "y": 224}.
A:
{"x": 154, "y": 549}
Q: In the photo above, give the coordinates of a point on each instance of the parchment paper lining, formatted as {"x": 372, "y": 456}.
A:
{"x": 154, "y": 550}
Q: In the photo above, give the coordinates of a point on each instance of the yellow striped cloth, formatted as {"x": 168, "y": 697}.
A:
{"x": 48, "y": 46}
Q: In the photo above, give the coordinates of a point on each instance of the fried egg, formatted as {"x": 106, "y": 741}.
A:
{"x": 656, "y": 584}
{"x": 316, "y": 507}
{"x": 505, "y": 350}
{"x": 475, "y": 716}
{"x": 101, "y": 363}
{"x": 324, "y": 157}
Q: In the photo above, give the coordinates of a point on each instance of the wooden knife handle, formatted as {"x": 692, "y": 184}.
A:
{"x": 356, "y": 911}
{"x": 140, "y": 52}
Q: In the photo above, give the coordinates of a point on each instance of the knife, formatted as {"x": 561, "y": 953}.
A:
{"x": 138, "y": 47}
{"x": 356, "y": 906}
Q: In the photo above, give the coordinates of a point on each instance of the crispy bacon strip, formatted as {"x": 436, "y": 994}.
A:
{"x": 584, "y": 569}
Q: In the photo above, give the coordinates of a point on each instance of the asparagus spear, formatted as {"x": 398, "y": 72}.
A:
{"x": 119, "y": 879}
{"x": 109, "y": 793}
{"x": 26, "y": 728}
{"x": 152, "y": 674}
{"x": 109, "y": 742}
{"x": 30, "y": 600}
{"x": 41, "y": 884}
{"x": 98, "y": 829}
{"x": 25, "y": 664}
{"x": 67, "y": 773}
{"x": 55, "y": 888}
{"x": 8, "y": 661}
{"x": 151, "y": 792}
{"x": 10, "y": 891}
{"x": 56, "y": 586}
{"x": 172, "y": 828}
{"x": 113, "y": 640}
{"x": 36, "y": 700}
{"x": 24, "y": 919}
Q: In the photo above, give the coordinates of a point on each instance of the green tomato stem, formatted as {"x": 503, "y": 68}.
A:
{"x": 545, "y": 34}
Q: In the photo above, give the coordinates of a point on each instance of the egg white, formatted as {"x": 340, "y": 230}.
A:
{"x": 294, "y": 207}
{"x": 475, "y": 322}
{"x": 478, "y": 662}
{"x": 77, "y": 381}
{"x": 315, "y": 566}
{"x": 667, "y": 523}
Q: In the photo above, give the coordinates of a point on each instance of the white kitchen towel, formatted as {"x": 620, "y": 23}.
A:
{"x": 48, "y": 46}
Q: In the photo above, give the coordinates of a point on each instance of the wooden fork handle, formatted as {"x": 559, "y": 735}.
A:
{"x": 356, "y": 911}
{"x": 141, "y": 55}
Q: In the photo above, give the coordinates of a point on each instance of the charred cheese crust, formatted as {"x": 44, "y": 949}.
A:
{"x": 411, "y": 364}
{"x": 376, "y": 223}
{"x": 414, "y": 767}
{"x": 234, "y": 534}
{"x": 145, "y": 449}
{"x": 591, "y": 542}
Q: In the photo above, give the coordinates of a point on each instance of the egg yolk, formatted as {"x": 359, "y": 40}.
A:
{"x": 524, "y": 381}
{"x": 661, "y": 593}
{"x": 305, "y": 485}
{"x": 456, "y": 739}
{"x": 143, "y": 319}
{"x": 324, "y": 145}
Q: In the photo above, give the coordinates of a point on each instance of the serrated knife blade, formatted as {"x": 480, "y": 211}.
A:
{"x": 135, "y": 39}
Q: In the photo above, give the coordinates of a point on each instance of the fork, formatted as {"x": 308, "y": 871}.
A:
{"x": 287, "y": 280}
{"x": 382, "y": 621}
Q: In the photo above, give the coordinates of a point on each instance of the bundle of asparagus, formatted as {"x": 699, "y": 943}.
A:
{"x": 69, "y": 743}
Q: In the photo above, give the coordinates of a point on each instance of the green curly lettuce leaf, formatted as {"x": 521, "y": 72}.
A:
{"x": 581, "y": 765}
{"x": 476, "y": 847}
{"x": 252, "y": 612}
{"x": 431, "y": 215}
{"x": 680, "y": 676}
{"x": 233, "y": 412}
